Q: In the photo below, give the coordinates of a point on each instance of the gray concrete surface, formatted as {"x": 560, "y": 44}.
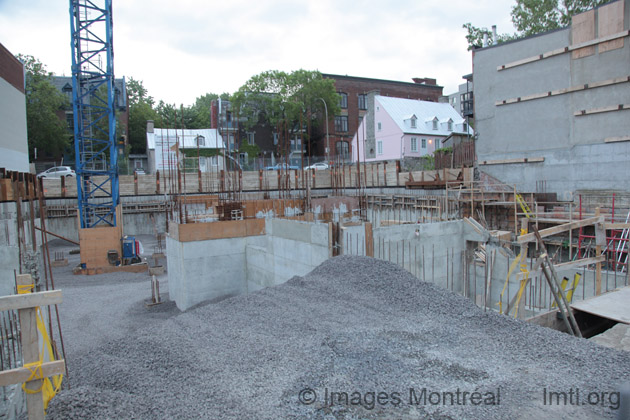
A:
{"x": 573, "y": 146}
{"x": 352, "y": 325}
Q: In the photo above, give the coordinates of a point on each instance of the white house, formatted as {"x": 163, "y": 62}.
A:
{"x": 397, "y": 128}
{"x": 164, "y": 143}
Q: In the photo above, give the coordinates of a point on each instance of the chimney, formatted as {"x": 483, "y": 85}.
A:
{"x": 150, "y": 126}
{"x": 425, "y": 81}
{"x": 494, "y": 35}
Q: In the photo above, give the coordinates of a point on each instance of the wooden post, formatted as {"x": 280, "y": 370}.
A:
{"x": 515, "y": 214}
{"x": 30, "y": 351}
{"x": 598, "y": 266}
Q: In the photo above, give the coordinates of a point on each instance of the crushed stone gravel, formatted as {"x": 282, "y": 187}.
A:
{"x": 354, "y": 325}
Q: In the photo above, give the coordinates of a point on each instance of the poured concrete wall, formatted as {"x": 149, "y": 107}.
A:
{"x": 291, "y": 248}
{"x": 432, "y": 252}
{"x": 211, "y": 269}
{"x": 576, "y": 154}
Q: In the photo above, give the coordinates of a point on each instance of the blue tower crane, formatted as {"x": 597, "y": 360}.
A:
{"x": 94, "y": 116}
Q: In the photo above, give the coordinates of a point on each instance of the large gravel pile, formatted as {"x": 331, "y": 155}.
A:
{"x": 354, "y": 325}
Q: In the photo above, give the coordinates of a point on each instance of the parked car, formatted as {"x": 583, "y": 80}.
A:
{"x": 280, "y": 167}
{"x": 140, "y": 171}
{"x": 318, "y": 166}
{"x": 57, "y": 172}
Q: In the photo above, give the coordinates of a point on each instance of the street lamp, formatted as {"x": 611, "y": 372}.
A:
{"x": 327, "y": 138}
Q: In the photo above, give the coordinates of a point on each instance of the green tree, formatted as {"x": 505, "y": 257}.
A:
{"x": 140, "y": 111}
{"x": 286, "y": 99}
{"x": 532, "y": 17}
{"x": 46, "y": 131}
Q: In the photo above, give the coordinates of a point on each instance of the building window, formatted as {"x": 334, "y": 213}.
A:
{"x": 201, "y": 141}
{"x": 275, "y": 138}
{"x": 465, "y": 127}
{"x": 413, "y": 122}
{"x": 343, "y": 100}
{"x": 341, "y": 123}
{"x": 250, "y": 139}
{"x": 343, "y": 149}
{"x": 414, "y": 144}
{"x": 362, "y": 101}
{"x": 435, "y": 123}
{"x": 379, "y": 126}
{"x": 450, "y": 125}
{"x": 424, "y": 143}
{"x": 379, "y": 147}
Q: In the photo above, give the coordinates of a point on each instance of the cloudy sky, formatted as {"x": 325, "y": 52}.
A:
{"x": 182, "y": 49}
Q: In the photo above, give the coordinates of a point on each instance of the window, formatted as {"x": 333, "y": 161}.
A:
{"x": 450, "y": 125}
{"x": 250, "y": 139}
{"x": 379, "y": 126}
{"x": 414, "y": 144}
{"x": 275, "y": 138}
{"x": 201, "y": 141}
{"x": 379, "y": 147}
{"x": 362, "y": 101}
{"x": 413, "y": 122}
{"x": 435, "y": 123}
{"x": 343, "y": 100}
{"x": 341, "y": 123}
{"x": 424, "y": 143}
{"x": 343, "y": 149}
{"x": 465, "y": 128}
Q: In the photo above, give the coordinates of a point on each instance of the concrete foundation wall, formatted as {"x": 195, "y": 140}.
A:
{"x": 214, "y": 269}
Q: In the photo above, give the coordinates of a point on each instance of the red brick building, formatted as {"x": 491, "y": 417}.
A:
{"x": 353, "y": 104}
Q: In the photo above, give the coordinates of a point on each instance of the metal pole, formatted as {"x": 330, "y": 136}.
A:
{"x": 327, "y": 137}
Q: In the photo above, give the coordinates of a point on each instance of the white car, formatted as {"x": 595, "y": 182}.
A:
{"x": 318, "y": 166}
{"x": 57, "y": 172}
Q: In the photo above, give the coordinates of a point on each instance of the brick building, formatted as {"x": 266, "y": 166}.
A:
{"x": 353, "y": 104}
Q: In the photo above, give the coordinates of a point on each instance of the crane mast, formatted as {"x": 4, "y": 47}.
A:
{"x": 96, "y": 154}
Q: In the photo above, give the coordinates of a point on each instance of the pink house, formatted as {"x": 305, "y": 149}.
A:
{"x": 397, "y": 128}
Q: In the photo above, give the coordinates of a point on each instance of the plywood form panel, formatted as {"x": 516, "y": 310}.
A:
{"x": 582, "y": 30}
{"x": 609, "y": 22}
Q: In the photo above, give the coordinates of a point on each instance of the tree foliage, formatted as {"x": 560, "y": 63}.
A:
{"x": 140, "y": 111}
{"x": 532, "y": 17}
{"x": 46, "y": 131}
{"x": 286, "y": 99}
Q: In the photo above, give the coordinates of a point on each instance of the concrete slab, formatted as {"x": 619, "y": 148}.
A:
{"x": 612, "y": 305}
{"x": 618, "y": 337}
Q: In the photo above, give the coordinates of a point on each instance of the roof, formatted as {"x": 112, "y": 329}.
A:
{"x": 372, "y": 80}
{"x": 212, "y": 139}
{"x": 64, "y": 84}
{"x": 400, "y": 109}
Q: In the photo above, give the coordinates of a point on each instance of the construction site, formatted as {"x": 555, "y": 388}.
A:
{"x": 365, "y": 290}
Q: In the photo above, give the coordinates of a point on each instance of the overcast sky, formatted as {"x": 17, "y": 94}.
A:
{"x": 182, "y": 49}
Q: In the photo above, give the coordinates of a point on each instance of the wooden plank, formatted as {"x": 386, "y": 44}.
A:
{"x": 530, "y": 237}
{"x": 30, "y": 353}
{"x": 571, "y": 89}
{"x": 615, "y": 38}
{"x": 612, "y": 305}
{"x": 610, "y": 108}
{"x": 610, "y": 226}
{"x": 30, "y": 300}
{"x": 21, "y": 375}
{"x": 515, "y": 160}
{"x": 369, "y": 240}
{"x": 566, "y": 265}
